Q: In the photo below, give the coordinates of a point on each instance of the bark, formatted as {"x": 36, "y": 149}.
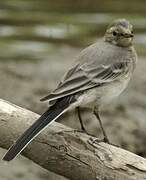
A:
{"x": 67, "y": 152}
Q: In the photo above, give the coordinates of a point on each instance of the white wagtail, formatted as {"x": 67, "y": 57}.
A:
{"x": 102, "y": 72}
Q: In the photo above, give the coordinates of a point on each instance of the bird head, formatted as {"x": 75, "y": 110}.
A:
{"x": 120, "y": 33}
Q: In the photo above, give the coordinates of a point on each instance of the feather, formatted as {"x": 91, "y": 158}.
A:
{"x": 49, "y": 116}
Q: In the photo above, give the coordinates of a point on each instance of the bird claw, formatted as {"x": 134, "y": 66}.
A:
{"x": 105, "y": 140}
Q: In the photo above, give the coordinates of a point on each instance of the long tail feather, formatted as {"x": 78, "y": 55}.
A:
{"x": 49, "y": 116}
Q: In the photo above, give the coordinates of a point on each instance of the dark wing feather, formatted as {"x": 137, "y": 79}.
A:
{"x": 76, "y": 82}
{"x": 81, "y": 78}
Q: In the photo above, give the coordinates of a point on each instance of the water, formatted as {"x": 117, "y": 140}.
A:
{"x": 27, "y": 27}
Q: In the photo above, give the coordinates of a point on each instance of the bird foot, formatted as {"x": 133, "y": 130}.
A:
{"x": 105, "y": 140}
{"x": 83, "y": 131}
{"x": 77, "y": 130}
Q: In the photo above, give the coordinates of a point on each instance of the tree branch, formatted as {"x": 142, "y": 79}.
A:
{"x": 68, "y": 153}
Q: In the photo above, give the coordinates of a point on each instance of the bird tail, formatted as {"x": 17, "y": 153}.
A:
{"x": 49, "y": 116}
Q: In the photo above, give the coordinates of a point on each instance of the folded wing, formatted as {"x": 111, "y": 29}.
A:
{"x": 83, "y": 77}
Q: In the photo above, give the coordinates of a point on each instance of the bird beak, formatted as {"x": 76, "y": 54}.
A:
{"x": 128, "y": 35}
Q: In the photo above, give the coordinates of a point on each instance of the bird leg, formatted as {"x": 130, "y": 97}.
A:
{"x": 83, "y": 129}
{"x": 81, "y": 122}
{"x": 105, "y": 139}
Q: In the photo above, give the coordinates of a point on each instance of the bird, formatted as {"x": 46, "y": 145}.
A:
{"x": 100, "y": 73}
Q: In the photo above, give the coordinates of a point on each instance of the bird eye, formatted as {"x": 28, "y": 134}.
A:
{"x": 131, "y": 32}
{"x": 114, "y": 33}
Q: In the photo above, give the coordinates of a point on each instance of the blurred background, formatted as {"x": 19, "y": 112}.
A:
{"x": 39, "y": 40}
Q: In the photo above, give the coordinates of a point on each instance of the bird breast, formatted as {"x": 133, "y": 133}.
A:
{"x": 101, "y": 95}
{"x": 108, "y": 92}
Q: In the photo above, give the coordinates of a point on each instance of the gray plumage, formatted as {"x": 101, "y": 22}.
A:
{"x": 101, "y": 72}
{"x": 96, "y": 66}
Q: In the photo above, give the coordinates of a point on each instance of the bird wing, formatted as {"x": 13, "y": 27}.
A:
{"x": 83, "y": 77}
